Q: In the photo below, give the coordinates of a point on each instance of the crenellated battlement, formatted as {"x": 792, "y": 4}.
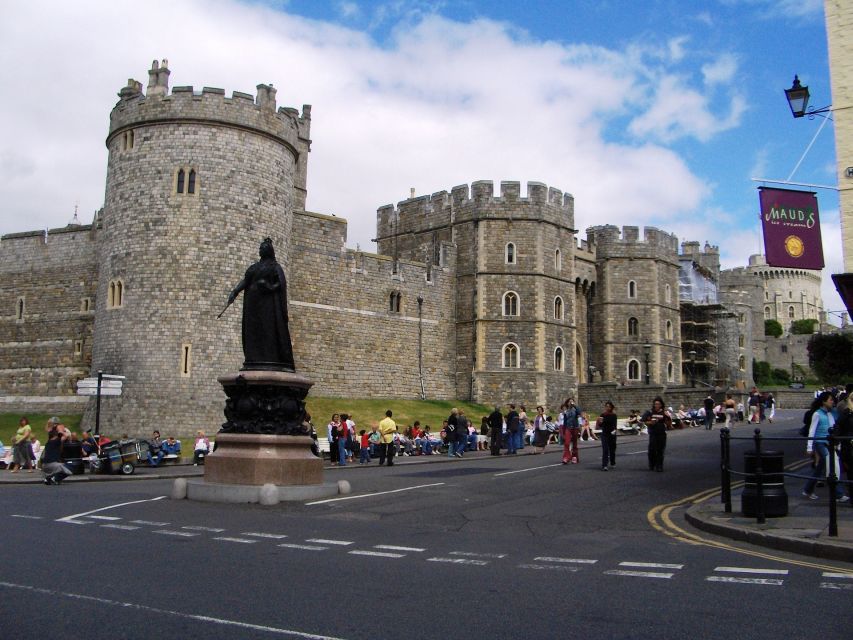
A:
{"x": 184, "y": 105}
{"x": 611, "y": 241}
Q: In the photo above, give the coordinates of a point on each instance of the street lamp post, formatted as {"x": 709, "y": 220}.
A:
{"x": 798, "y": 100}
{"x": 647, "y": 350}
{"x": 692, "y": 355}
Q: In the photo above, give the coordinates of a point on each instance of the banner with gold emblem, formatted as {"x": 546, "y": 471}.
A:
{"x": 791, "y": 226}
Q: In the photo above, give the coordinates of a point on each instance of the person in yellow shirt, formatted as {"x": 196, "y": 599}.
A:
{"x": 387, "y": 429}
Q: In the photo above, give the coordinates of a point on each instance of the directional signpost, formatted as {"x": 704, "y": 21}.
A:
{"x": 104, "y": 384}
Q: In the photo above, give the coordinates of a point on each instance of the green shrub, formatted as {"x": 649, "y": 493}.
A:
{"x": 802, "y": 327}
{"x": 772, "y": 328}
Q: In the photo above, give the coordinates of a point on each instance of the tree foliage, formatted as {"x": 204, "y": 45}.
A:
{"x": 761, "y": 372}
{"x": 831, "y": 356}
{"x": 772, "y": 328}
{"x": 802, "y": 327}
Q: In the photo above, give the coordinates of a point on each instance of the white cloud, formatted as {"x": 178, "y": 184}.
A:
{"x": 721, "y": 70}
{"x": 348, "y": 10}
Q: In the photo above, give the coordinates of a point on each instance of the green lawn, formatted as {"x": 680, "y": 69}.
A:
{"x": 365, "y": 412}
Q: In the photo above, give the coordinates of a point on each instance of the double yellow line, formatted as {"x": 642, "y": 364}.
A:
{"x": 660, "y": 519}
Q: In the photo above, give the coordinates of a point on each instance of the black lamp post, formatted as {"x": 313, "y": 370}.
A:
{"x": 647, "y": 350}
{"x": 692, "y": 355}
{"x": 798, "y": 100}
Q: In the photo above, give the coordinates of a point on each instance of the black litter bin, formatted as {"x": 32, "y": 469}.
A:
{"x": 772, "y": 484}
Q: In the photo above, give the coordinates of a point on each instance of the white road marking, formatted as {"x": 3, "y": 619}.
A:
{"x": 477, "y": 555}
{"x": 553, "y": 567}
{"x": 378, "y": 554}
{"x": 184, "y": 534}
{"x": 227, "y": 539}
{"x": 633, "y": 453}
{"x": 123, "y": 527}
{"x": 650, "y": 565}
{"x": 772, "y": 572}
{"x": 391, "y": 547}
{"x": 112, "y": 506}
{"x": 306, "y": 547}
{"x": 178, "y": 614}
{"x": 547, "y": 466}
{"x": 256, "y": 534}
{"x": 17, "y": 515}
{"x": 340, "y": 543}
{"x": 75, "y": 521}
{"x": 151, "y": 523}
{"x": 479, "y": 563}
{"x": 843, "y": 576}
{"x": 837, "y": 585}
{"x": 210, "y": 529}
{"x": 379, "y": 493}
{"x": 767, "y": 581}
{"x": 569, "y": 560}
{"x": 103, "y": 517}
{"x": 639, "y": 574}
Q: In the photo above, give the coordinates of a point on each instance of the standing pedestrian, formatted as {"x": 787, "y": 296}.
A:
{"x": 387, "y": 429}
{"x": 729, "y": 409}
{"x": 657, "y": 421}
{"x": 512, "y": 428}
{"x": 451, "y": 429}
{"x": 817, "y": 446}
{"x": 496, "y": 421}
{"x": 522, "y": 427}
{"x": 607, "y": 425}
{"x": 540, "y": 431}
{"x": 708, "y": 404}
{"x": 332, "y": 429}
{"x": 22, "y": 453}
{"x": 770, "y": 404}
{"x": 754, "y": 404}
{"x": 569, "y": 432}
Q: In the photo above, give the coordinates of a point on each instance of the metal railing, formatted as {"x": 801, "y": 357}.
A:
{"x": 727, "y": 472}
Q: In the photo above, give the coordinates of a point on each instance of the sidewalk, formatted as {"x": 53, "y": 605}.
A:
{"x": 805, "y": 530}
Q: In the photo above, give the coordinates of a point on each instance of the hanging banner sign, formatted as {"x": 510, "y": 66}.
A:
{"x": 791, "y": 226}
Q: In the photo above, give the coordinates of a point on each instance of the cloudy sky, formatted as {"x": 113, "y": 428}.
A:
{"x": 650, "y": 113}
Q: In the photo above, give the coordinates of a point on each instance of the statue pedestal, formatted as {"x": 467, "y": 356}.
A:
{"x": 265, "y": 439}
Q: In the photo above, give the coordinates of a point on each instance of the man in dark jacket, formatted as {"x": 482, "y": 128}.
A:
{"x": 496, "y": 425}
{"x": 51, "y": 463}
{"x": 708, "y": 403}
{"x": 512, "y": 427}
{"x": 452, "y": 433}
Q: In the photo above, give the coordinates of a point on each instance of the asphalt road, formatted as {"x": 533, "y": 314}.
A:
{"x": 510, "y": 547}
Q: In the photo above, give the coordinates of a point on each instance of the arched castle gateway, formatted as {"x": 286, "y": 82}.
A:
{"x": 475, "y": 294}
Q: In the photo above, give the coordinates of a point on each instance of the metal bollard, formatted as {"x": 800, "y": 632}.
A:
{"x": 832, "y": 483}
{"x": 726, "y": 478}
{"x": 759, "y": 480}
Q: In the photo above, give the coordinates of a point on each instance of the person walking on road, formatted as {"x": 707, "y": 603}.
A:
{"x": 387, "y": 429}
{"x": 657, "y": 421}
{"x": 569, "y": 432}
{"x": 607, "y": 425}
{"x": 708, "y": 405}
{"x": 817, "y": 446}
{"x": 729, "y": 409}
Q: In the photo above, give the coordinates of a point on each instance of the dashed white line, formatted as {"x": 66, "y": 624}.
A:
{"x": 242, "y": 540}
{"x": 507, "y": 473}
{"x": 478, "y": 563}
{"x": 552, "y": 567}
{"x": 651, "y": 565}
{"x": 103, "y": 517}
{"x": 378, "y": 554}
{"x": 18, "y": 515}
{"x": 65, "y": 521}
{"x": 568, "y": 560}
{"x": 770, "y": 572}
{"x": 639, "y": 574}
{"x": 847, "y": 586}
{"x": 391, "y": 547}
{"x": 151, "y": 523}
{"x": 379, "y": 493}
{"x": 123, "y": 527}
{"x": 169, "y": 532}
{"x": 210, "y": 529}
{"x": 340, "y": 543}
{"x": 257, "y": 534}
{"x": 305, "y": 547}
{"x": 733, "y": 579}
{"x": 477, "y": 555}
{"x": 112, "y": 506}
{"x": 843, "y": 576}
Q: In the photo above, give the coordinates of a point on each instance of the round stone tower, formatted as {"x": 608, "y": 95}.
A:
{"x": 195, "y": 181}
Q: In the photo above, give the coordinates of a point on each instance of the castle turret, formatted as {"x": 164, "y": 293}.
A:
{"x": 194, "y": 182}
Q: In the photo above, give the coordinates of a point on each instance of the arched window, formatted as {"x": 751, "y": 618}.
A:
{"x": 791, "y": 312}
{"x": 669, "y": 329}
{"x": 558, "y": 260}
{"x": 191, "y": 182}
{"x": 633, "y": 370}
{"x": 633, "y": 327}
{"x": 767, "y": 295}
{"x": 119, "y": 293}
{"x": 767, "y": 315}
{"x": 667, "y": 293}
{"x": 85, "y": 304}
{"x": 181, "y": 178}
{"x": 510, "y": 356}
{"x": 632, "y": 289}
{"x": 394, "y": 302}
{"x": 741, "y": 363}
{"x": 510, "y": 304}
{"x": 509, "y": 253}
{"x": 670, "y": 372}
{"x": 558, "y": 359}
{"x": 20, "y": 307}
{"x": 741, "y": 341}
{"x": 741, "y": 318}
{"x": 115, "y": 294}
{"x": 558, "y": 308}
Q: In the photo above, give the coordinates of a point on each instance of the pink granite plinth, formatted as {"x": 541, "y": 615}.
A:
{"x": 243, "y": 458}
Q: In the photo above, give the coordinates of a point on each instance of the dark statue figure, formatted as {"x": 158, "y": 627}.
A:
{"x": 266, "y": 337}
{"x": 267, "y": 396}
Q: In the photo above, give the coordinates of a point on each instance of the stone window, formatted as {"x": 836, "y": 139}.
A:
{"x": 741, "y": 363}
{"x": 115, "y": 294}
{"x": 509, "y": 253}
{"x": 670, "y": 372}
{"x": 558, "y": 308}
{"x": 790, "y": 295}
{"x": 510, "y": 356}
{"x": 394, "y": 302}
{"x": 767, "y": 295}
{"x": 667, "y": 293}
{"x": 767, "y": 315}
{"x": 186, "y": 181}
{"x": 633, "y": 370}
{"x": 669, "y": 330}
{"x": 510, "y": 304}
{"x": 558, "y": 260}
{"x": 632, "y": 289}
{"x": 741, "y": 341}
{"x": 20, "y": 308}
{"x": 186, "y": 360}
{"x": 791, "y": 312}
{"x": 633, "y": 327}
{"x": 85, "y": 305}
{"x": 558, "y": 359}
{"x": 78, "y": 348}
{"x": 784, "y": 348}
{"x": 182, "y": 176}
{"x": 127, "y": 140}
{"x": 741, "y": 318}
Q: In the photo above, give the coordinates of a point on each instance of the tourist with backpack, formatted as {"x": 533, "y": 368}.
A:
{"x": 817, "y": 446}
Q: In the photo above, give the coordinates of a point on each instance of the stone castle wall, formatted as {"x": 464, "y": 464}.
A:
{"x": 45, "y": 351}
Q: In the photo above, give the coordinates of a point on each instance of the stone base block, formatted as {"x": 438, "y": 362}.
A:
{"x": 204, "y": 491}
{"x": 256, "y": 460}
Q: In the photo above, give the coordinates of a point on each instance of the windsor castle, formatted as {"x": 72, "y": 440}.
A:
{"x": 475, "y": 293}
